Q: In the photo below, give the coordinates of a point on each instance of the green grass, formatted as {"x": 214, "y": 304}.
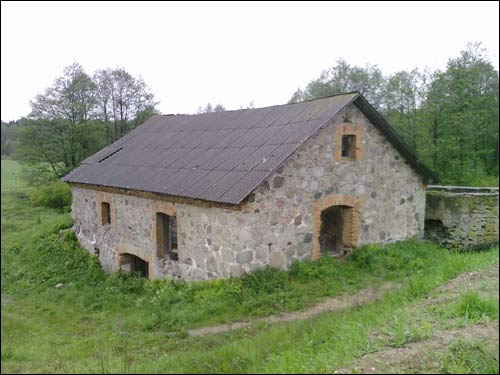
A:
{"x": 101, "y": 323}
{"x": 472, "y": 306}
{"x": 469, "y": 358}
{"x": 404, "y": 329}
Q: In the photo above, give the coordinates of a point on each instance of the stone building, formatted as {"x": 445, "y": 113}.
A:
{"x": 219, "y": 194}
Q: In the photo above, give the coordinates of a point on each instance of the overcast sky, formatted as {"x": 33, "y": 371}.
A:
{"x": 229, "y": 53}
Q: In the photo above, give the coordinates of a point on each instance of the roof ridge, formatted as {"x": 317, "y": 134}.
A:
{"x": 270, "y": 106}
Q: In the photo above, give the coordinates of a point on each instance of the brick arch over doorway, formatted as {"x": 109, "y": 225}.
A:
{"x": 123, "y": 253}
{"x": 350, "y": 232}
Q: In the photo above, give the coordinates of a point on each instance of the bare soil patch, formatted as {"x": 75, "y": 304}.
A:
{"x": 420, "y": 357}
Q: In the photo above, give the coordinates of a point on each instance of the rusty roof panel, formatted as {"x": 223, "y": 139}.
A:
{"x": 218, "y": 156}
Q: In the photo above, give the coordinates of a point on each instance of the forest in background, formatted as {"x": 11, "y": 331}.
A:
{"x": 449, "y": 117}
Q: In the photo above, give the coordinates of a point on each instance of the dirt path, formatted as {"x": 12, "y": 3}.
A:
{"x": 423, "y": 356}
{"x": 332, "y": 304}
{"x": 415, "y": 357}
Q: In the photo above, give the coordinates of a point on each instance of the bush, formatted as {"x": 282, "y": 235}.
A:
{"x": 265, "y": 281}
{"x": 37, "y": 175}
{"x": 53, "y": 195}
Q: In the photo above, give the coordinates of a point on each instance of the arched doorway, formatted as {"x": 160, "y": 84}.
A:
{"x": 132, "y": 263}
{"x": 333, "y": 225}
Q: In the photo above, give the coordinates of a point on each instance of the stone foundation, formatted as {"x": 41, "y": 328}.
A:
{"x": 462, "y": 217}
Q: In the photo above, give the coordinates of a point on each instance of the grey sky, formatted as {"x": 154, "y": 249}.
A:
{"x": 230, "y": 53}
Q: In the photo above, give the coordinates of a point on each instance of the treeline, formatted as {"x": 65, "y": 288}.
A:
{"x": 449, "y": 117}
{"x": 76, "y": 116}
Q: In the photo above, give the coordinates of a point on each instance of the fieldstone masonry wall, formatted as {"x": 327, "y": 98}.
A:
{"x": 275, "y": 227}
{"x": 461, "y": 216}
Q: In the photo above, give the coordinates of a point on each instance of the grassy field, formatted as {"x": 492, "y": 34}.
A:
{"x": 98, "y": 323}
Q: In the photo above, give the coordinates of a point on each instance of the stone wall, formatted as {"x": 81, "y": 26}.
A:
{"x": 461, "y": 216}
{"x": 276, "y": 225}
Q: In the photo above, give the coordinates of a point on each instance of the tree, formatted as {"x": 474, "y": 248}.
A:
{"x": 462, "y": 107}
{"x": 342, "y": 78}
{"x": 450, "y": 118}
{"x": 404, "y": 93}
{"x": 208, "y": 108}
{"x": 76, "y": 116}
{"x": 123, "y": 99}
{"x": 57, "y": 132}
{"x": 71, "y": 97}
{"x": 219, "y": 108}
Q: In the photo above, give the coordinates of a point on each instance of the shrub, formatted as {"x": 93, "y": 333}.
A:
{"x": 37, "y": 175}
{"x": 53, "y": 195}
{"x": 265, "y": 281}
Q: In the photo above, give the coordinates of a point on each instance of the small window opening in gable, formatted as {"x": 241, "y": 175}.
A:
{"x": 349, "y": 146}
{"x": 105, "y": 213}
{"x": 166, "y": 236}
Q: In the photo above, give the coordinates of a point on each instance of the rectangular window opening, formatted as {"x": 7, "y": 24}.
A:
{"x": 166, "y": 236}
{"x": 349, "y": 146}
{"x": 105, "y": 213}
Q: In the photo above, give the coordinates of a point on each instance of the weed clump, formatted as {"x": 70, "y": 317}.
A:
{"x": 472, "y": 306}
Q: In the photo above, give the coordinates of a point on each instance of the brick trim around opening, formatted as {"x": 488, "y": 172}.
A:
{"x": 351, "y": 227}
{"x": 123, "y": 249}
{"x": 101, "y": 198}
{"x": 349, "y": 129}
{"x": 167, "y": 209}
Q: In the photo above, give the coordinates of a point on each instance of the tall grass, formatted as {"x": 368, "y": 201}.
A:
{"x": 122, "y": 323}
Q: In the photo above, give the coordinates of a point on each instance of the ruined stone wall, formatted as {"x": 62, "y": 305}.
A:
{"x": 462, "y": 217}
{"x": 277, "y": 225}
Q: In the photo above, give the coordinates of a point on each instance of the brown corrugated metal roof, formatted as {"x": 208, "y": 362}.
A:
{"x": 220, "y": 157}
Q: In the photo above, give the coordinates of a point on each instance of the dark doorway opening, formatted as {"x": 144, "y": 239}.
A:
{"x": 332, "y": 229}
{"x": 134, "y": 264}
{"x": 166, "y": 236}
{"x": 435, "y": 230}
